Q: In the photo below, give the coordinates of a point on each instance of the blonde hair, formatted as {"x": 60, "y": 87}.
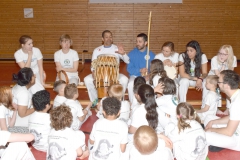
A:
{"x": 229, "y": 51}
{"x": 185, "y": 112}
{"x": 116, "y": 90}
{"x": 145, "y": 140}
{"x": 213, "y": 79}
{"x": 65, "y": 37}
{"x": 6, "y": 97}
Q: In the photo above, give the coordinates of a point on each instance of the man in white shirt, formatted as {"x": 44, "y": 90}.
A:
{"x": 110, "y": 49}
{"x": 225, "y": 132}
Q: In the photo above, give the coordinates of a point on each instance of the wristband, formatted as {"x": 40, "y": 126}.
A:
{"x": 200, "y": 78}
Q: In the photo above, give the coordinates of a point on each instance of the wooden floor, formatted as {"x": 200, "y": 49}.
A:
{"x": 7, "y": 68}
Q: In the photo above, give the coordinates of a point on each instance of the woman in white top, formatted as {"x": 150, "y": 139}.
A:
{"x": 67, "y": 59}
{"x": 21, "y": 96}
{"x": 224, "y": 60}
{"x": 31, "y": 57}
{"x": 168, "y": 56}
{"x": 8, "y": 110}
{"x": 192, "y": 69}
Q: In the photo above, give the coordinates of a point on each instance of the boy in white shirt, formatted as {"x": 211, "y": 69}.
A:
{"x": 79, "y": 115}
{"x": 39, "y": 121}
{"x": 116, "y": 91}
{"x": 109, "y": 135}
{"x": 210, "y": 102}
{"x": 59, "y": 88}
{"x": 63, "y": 142}
{"x": 147, "y": 145}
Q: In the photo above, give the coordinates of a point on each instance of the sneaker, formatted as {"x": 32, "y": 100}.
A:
{"x": 215, "y": 149}
{"x": 94, "y": 103}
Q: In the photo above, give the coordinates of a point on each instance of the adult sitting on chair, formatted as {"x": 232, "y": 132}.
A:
{"x": 66, "y": 59}
{"x": 110, "y": 49}
{"x": 137, "y": 64}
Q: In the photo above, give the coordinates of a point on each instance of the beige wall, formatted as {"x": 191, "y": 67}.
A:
{"x": 211, "y": 22}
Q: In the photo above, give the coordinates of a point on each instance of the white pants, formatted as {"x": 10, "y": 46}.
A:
{"x": 220, "y": 140}
{"x": 37, "y": 86}
{"x": 92, "y": 92}
{"x": 17, "y": 151}
{"x": 183, "y": 88}
{"x": 130, "y": 88}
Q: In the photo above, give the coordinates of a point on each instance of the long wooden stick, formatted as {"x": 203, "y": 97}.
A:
{"x": 149, "y": 28}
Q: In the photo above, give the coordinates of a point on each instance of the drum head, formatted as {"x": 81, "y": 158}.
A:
{"x": 171, "y": 71}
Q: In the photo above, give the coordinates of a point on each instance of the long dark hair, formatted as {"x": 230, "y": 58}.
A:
{"x": 146, "y": 94}
{"x": 197, "y": 60}
{"x": 156, "y": 67}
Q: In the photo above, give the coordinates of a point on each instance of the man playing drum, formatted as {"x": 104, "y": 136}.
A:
{"x": 108, "y": 48}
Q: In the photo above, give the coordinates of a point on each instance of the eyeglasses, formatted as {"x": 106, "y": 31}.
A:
{"x": 222, "y": 54}
{"x": 221, "y": 82}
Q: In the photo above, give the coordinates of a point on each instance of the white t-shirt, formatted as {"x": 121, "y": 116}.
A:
{"x": 39, "y": 126}
{"x": 189, "y": 144}
{"x": 58, "y": 100}
{"x": 62, "y": 144}
{"x": 22, "y": 97}
{"x": 215, "y": 65}
{"x": 20, "y": 56}
{"x": 4, "y": 136}
{"x": 161, "y": 153}
{"x": 138, "y": 118}
{"x": 67, "y": 60}
{"x": 211, "y": 99}
{"x": 77, "y": 112}
{"x": 155, "y": 80}
{"x": 192, "y": 69}
{"x": 173, "y": 57}
{"x": 109, "y": 51}
{"x": 234, "y": 109}
{"x": 5, "y": 113}
{"x": 167, "y": 104}
{"x": 107, "y": 136}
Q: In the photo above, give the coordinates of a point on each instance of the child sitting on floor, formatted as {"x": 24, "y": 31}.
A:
{"x": 156, "y": 72}
{"x": 63, "y": 142}
{"x": 167, "y": 103}
{"x": 137, "y": 81}
{"x": 147, "y": 145}
{"x": 210, "y": 102}
{"x": 188, "y": 137}
{"x": 39, "y": 121}
{"x": 79, "y": 115}
{"x": 116, "y": 90}
{"x": 59, "y": 88}
{"x": 109, "y": 135}
{"x": 8, "y": 109}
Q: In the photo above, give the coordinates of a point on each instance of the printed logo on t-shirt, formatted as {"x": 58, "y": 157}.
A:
{"x": 37, "y": 136}
{"x": 192, "y": 71}
{"x": 200, "y": 146}
{"x": 55, "y": 151}
{"x": 66, "y": 61}
{"x": 33, "y": 59}
{"x": 147, "y": 57}
{"x": 104, "y": 149}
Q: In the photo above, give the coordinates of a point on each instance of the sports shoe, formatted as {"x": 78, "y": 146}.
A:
{"x": 94, "y": 103}
{"x": 215, "y": 149}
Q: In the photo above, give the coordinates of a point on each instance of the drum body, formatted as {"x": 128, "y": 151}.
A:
{"x": 106, "y": 72}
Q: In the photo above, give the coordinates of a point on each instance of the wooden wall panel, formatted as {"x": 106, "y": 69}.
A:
{"x": 211, "y": 22}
